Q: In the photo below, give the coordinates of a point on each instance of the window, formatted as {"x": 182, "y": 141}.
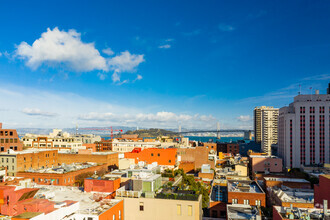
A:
{"x": 152, "y": 154}
{"x": 114, "y": 217}
{"x": 234, "y": 201}
{"x": 141, "y": 206}
{"x": 178, "y": 209}
{"x": 214, "y": 214}
{"x": 13, "y": 168}
{"x": 158, "y": 155}
{"x": 189, "y": 210}
{"x": 13, "y": 160}
{"x": 258, "y": 203}
{"x": 119, "y": 215}
{"x": 7, "y": 160}
{"x": 246, "y": 202}
{"x": 169, "y": 161}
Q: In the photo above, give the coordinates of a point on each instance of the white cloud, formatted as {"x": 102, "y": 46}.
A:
{"x": 61, "y": 47}
{"x": 226, "y": 27}
{"x": 139, "y": 77}
{"x": 37, "y": 112}
{"x": 0, "y": 54}
{"x": 125, "y": 62}
{"x": 159, "y": 119}
{"x": 244, "y": 118}
{"x": 169, "y": 40}
{"x": 108, "y": 51}
{"x": 71, "y": 109}
{"x": 56, "y": 47}
{"x": 165, "y": 46}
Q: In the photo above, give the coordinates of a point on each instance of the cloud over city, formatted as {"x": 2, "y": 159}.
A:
{"x": 65, "y": 49}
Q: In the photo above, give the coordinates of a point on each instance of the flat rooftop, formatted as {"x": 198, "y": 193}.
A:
{"x": 283, "y": 179}
{"x": 28, "y": 215}
{"x": 64, "y": 168}
{"x": 28, "y": 151}
{"x": 239, "y": 211}
{"x": 297, "y": 213}
{"x": 244, "y": 186}
{"x": 287, "y": 194}
{"x": 86, "y": 202}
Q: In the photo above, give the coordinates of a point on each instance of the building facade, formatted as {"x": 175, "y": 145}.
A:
{"x": 9, "y": 140}
{"x": 265, "y": 127}
{"x": 16, "y": 161}
{"x": 304, "y": 128}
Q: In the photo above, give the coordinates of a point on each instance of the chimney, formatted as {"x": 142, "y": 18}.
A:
{"x": 325, "y": 207}
{"x": 0, "y": 125}
{"x": 317, "y": 92}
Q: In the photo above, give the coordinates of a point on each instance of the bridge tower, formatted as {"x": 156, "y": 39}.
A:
{"x": 218, "y": 130}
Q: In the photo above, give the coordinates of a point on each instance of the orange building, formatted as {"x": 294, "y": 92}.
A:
{"x": 9, "y": 140}
{"x": 108, "y": 158}
{"x": 116, "y": 212}
{"x": 196, "y": 155}
{"x": 108, "y": 184}
{"x": 60, "y": 175}
{"x": 163, "y": 156}
{"x": 103, "y": 145}
{"x": 16, "y": 161}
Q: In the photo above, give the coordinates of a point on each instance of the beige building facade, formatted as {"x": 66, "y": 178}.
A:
{"x": 265, "y": 127}
{"x": 162, "y": 209}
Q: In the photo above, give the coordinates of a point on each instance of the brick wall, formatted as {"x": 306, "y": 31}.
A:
{"x": 109, "y": 159}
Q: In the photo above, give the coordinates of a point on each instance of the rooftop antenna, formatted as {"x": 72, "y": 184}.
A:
{"x": 76, "y": 129}
{"x": 299, "y": 90}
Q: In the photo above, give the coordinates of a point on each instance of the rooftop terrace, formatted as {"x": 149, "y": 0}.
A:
{"x": 244, "y": 186}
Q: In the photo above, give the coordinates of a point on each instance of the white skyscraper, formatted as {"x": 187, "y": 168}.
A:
{"x": 303, "y": 137}
{"x": 265, "y": 127}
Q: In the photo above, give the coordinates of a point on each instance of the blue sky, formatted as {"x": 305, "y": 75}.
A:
{"x": 157, "y": 63}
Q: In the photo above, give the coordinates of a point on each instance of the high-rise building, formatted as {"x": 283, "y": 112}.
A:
{"x": 265, "y": 127}
{"x": 304, "y": 128}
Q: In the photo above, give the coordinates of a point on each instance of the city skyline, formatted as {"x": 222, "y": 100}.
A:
{"x": 112, "y": 63}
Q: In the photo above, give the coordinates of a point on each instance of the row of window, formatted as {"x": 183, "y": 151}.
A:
{"x": 6, "y": 133}
{"x": 8, "y": 140}
{"x": 11, "y": 147}
{"x": 247, "y": 202}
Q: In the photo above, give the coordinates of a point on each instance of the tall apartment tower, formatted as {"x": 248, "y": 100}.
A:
{"x": 304, "y": 130}
{"x": 265, "y": 127}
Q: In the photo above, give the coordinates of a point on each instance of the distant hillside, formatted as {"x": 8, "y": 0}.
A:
{"x": 153, "y": 132}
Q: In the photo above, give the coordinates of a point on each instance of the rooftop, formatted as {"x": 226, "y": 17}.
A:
{"x": 28, "y": 215}
{"x": 244, "y": 186}
{"x": 283, "y": 179}
{"x": 29, "y": 151}
{"x": 287, "y": 194}
{"x": 64, "y": 168}
{"x": 299, "y": 213}
{"x": 87, "y": 202}
{"x": 239, "y": 211}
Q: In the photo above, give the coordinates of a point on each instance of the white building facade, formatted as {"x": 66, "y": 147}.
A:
{"x": 303, "y": 134}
